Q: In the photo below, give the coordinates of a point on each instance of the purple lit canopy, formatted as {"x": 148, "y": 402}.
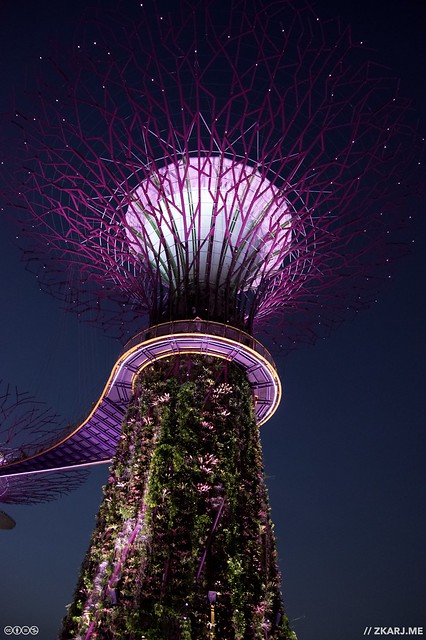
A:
{"x": 236, "y": 165}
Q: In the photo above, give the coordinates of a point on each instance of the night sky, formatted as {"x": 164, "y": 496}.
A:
{"x": 345, "y": 453}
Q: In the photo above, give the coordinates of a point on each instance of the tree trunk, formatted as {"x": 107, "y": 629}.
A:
{"x": 183, "y": 547}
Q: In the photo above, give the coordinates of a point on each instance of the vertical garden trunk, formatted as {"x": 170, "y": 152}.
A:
{"x": 183, "y": 548}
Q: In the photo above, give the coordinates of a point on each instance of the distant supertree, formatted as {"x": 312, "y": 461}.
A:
{"x": 28, "y": 426}
{"x": 203, "y": 172}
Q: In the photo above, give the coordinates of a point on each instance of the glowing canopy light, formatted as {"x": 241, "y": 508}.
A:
{"x": 210, "y": 220}
{"x": 248, "y": 163}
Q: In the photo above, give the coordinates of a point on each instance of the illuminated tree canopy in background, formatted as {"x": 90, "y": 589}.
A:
{"x": 28, "y": 426}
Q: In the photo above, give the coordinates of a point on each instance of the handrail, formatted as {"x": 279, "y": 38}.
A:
{"x": 103, "y": 422}
{"x": 197, "y": 325}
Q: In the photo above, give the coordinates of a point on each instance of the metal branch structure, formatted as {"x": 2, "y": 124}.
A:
{"x": 241, "y": 166}
{"x": 28, "y": 427}
{"x": 206, "y": 172}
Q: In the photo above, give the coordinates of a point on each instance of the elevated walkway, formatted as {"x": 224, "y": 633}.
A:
{"x": 95, "y": 439}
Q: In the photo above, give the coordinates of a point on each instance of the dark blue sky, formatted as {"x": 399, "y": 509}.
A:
{"x": 344, "y": 455}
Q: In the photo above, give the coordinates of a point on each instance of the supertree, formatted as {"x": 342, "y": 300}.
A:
{"x": 202, "y": 171}
{"x": 28, "y": 426}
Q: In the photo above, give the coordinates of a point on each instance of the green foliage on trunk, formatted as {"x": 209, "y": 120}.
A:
{"x": 185, "y": 513}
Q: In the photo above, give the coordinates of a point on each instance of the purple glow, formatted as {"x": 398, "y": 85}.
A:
{"x": 210, "y": 205}
{"x": 95, "y": 439}
{"x": 245, "y": 172}
{"x": 267, "y": 98}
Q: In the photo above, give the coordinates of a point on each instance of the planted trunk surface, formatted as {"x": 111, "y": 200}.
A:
{"x": 183, "y": 548}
